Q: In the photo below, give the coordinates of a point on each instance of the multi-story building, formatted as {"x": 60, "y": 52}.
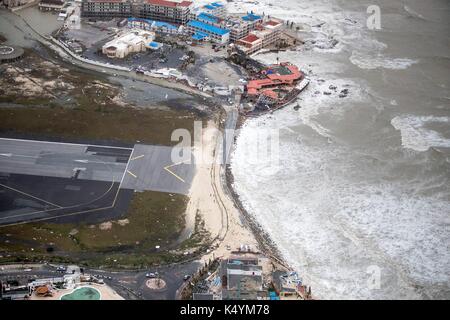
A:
{"x": 240, "y": 27}
{"x": 210, "y": 19}
{"x": 202, "y": 31}
{"x": 15, "y": 3}
{"x": 151, "y": 25}
{"x": 266, "y": 34}
{"x": 250, "y": 44}
{"x": 173, "y": 11}
{"x": 51, "y": 5}
{"x": 215, "y": 8}
{"x": 106, "y": 8}
{"x": 269, "y": 32}
{"x": 242, "y": 279}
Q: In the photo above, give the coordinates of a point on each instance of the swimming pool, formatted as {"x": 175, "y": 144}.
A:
{"x": 83, "y": 293}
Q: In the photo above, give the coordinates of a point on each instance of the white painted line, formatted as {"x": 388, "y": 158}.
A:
{"x": 99, "y": 162}
{"x": 123, "y": 177}
{"x": 31, "y": 196}
{"x": 131, "y": 173}
{"x": 138, "y": 157}
{"x": 173, "y": 173}
{"x": 9, "y": 155}
{"x": 66, "y": 143}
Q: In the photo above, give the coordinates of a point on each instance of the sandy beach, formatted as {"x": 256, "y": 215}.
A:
{"x": 209, "y": 199}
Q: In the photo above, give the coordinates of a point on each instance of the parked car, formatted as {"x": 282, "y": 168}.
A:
{"x": 61, "y": 269}
{"x": 150, "y": 275}
{"x": 186, "y": 277}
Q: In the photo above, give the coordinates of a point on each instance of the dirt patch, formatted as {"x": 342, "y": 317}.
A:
{"x": 156, "y": 284}
{"x": 123, "y": 222}
{"x": 105, "y": 226}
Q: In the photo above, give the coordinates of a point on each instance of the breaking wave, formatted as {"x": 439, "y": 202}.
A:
{"x": 379, "y": 61}
{"x": 416, "y": 136}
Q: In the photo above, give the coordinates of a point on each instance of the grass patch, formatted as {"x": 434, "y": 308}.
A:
{"x": 74, "y": 104}
{"x": 154, "y": 218}
{"x": 105, "y": 123}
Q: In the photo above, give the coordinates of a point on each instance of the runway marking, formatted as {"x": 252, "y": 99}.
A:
{"x": 67, "y": 143}
{"x": 123, "y": 177}
{"x": 69, "y": 207}
{"x": 61, "y": 216}
{"x": 138, "y": 157}
{"x": 9, "y": 155}
{"x": 98, "y": 162}
{"x": 173, "y": 173}
{"x": 29, "y": 195}
{"x": 131, "y": 173}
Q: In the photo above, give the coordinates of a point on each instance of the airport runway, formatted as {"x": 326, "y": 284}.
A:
{"x": 61, "y": 160}
{"x": 41, "y": 180}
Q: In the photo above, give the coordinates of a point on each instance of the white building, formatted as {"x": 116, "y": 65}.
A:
{"x": 204, "y": 31}
{"x": 51, "y": 5}
{"x": 172, "y": 11}
{"x": 130, "y": 42}
{"x": 151, "y": 25}
{"x": 216, "y": 9}
{"x": 106, "y": 8}
{"x": 15, "y": 3}
{"x": 265, "y": 35}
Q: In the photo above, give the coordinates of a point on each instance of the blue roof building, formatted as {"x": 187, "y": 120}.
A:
{"x": 215, "y": 8}
{"x": 147, "y": 24}
{"x": 216, "y": 34}
{"x": 208, "y": 18}
{"x": 251, "y": 17}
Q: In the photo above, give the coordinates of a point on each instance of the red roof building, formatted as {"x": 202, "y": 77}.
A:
{"x": 169, "y": 3}
{"x": 276, "y": 77}
{"x": 172, "y": 11}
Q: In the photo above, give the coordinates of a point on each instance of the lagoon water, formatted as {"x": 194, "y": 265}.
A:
{"x": 359, "y": 202}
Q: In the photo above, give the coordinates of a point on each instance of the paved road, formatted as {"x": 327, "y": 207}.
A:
{"x": 229, "y": 134}
{"x": 130, "y": 285}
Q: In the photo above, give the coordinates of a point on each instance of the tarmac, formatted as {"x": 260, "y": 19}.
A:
{"x": 69, "y": 182}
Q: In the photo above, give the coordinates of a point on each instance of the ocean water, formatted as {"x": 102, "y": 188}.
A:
{"x": 359, "y": 202}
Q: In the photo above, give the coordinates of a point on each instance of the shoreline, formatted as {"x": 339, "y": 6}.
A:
{"x": 261, "y": 236}
{"x": 213, "y": 195}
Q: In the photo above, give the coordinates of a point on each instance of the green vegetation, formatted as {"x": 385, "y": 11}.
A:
{"x": 63, "y": 103}
{"x": 105, "y": 123}
{"x": 84, "y": 106}
{"x": 153, "y": 219}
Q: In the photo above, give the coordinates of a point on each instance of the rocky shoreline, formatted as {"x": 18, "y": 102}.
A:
{"x": 261, "y": 236}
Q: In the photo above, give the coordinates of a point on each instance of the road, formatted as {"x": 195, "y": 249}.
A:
{"x": 130, "y": 285}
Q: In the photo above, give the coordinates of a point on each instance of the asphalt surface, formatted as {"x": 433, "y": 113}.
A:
{"x": 68, "y": 182}
{"x": 152, "y": 168}
{"x": 131, "y": 285}
{"x": 62, "y": 160}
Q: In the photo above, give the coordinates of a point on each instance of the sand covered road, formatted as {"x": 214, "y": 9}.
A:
{"x": 209, "y": 200}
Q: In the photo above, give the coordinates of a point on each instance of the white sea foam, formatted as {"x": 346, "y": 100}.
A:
{"x": 315, "y": 100}
{"x": 333, "y": 229}
{"x": 415, "y": 134}
{"x": 335, "y": 209}
{"x": 380, "y": 61}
